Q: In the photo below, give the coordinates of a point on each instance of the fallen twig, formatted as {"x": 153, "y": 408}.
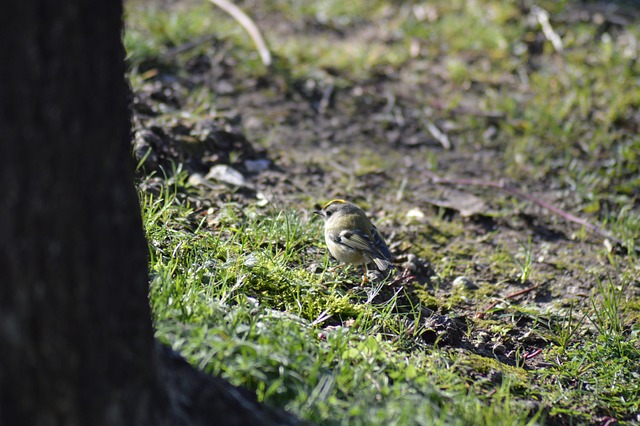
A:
{"x": 533, "y": 354}
{"x": 490, "y": 307}
{"x": 403, "y": 279}
{"x": 543, "y": 19}
{"x": 251, "y": 28}
{"x": 438, "y": 134}
{"x": 523, "y": 291}
{"x": 509, "y": 296}
{"x": 521, "y": 194}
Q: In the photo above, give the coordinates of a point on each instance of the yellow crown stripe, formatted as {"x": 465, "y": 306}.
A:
{"x": 337, "y": 201}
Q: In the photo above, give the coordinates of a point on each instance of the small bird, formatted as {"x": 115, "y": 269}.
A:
{"x": 351, "y": 237}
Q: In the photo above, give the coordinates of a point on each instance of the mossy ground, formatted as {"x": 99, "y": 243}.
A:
{"x": 355, "y": 107}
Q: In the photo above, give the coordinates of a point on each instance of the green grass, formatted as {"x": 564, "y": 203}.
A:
{"x": 152, "y": 31}
{"x": 232, "y": 292}
{"x": 248, "y": 293}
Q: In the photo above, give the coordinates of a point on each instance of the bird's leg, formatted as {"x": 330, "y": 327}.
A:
{"x": 365, "y": 276}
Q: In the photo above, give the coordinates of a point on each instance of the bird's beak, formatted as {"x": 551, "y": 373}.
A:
{"x": 318, "y": 210}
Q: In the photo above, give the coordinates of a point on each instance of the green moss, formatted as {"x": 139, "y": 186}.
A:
{"x": 517, "y": 376}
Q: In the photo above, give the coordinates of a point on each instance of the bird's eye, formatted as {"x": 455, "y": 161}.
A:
{"x": 329, "y": 213}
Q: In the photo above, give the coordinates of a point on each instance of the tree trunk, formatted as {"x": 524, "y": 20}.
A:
{"x": 75, "y": 330}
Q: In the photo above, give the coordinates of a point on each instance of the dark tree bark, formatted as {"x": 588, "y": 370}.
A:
{"x": 75, "y": 330}
{"x": 76, "y": 339}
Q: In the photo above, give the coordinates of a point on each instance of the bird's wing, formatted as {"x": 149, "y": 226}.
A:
{"x": 372, "y": 245}
{"x": 355, "y": 240}
{"x": 383, "y": 250}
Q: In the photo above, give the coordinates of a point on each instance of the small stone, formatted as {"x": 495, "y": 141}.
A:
{"x": 416, "y": 214}
{"x": 257, "y": 166}
{"x": 262, "y": 199}
{"x": 499, "y": 349}
{"x": 495, "y": 376}
{"x": 228, "y": 175}
{"x": 466, "y": 283}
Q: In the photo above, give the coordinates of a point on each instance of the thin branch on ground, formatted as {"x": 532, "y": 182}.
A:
{"x": 542, "y": 16}
{"x": 509, "y": 296}
{"x": 523, "y": 291}
{"x": 250, "y": 27}
{"x": 438, "y": 134}
{"x": 511, "y": 190}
